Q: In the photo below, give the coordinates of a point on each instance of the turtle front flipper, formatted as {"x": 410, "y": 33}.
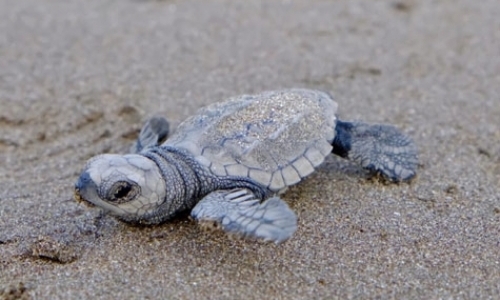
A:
{"x": 152, "y": 134}
{"x": 239, "y": 212}
{"x": 378, "y": 148}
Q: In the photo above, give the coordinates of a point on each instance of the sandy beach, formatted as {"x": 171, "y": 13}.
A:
{"x": 78, "y": 78}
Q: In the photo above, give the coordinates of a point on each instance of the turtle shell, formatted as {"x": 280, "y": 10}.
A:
{"x": 276, "y": 138}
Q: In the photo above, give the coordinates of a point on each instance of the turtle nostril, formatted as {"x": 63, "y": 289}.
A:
{"x": 83, "y": 186}
{"x": 83, "y": 181}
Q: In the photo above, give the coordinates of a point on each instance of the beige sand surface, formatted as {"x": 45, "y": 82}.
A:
{"x": 77, "y": 78}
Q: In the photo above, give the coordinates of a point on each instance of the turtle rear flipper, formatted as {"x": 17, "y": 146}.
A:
{"x": 239, "y": 212}
{"x": 378, "y": 148}
{"x": 153, "y": 133}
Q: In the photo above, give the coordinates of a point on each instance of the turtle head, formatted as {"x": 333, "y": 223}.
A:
{"x": 130, "y": 187}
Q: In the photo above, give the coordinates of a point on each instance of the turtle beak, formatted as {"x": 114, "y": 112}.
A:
{"x": 85, "y": 189}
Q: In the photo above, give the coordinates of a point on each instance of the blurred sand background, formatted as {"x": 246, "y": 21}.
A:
{"x": 77, "y": 78}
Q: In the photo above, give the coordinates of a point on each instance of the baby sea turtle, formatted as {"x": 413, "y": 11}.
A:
{"x": 229, "y": 162}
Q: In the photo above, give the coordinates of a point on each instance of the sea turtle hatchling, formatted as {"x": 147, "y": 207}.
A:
{"x": 229, "y": 162}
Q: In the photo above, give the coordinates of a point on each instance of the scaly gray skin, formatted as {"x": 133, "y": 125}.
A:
{"x": 227, "y": 163}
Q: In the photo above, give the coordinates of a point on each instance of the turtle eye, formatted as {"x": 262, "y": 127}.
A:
{"x": 123, "y": 191}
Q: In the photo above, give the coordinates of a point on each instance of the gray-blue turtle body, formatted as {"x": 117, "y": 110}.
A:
{"x": 228, "y": 162}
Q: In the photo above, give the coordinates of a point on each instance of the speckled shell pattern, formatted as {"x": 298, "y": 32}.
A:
{"x": 275, "y": 138}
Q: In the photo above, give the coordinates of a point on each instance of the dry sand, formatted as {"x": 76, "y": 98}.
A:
{"x": 77, "y": 78}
